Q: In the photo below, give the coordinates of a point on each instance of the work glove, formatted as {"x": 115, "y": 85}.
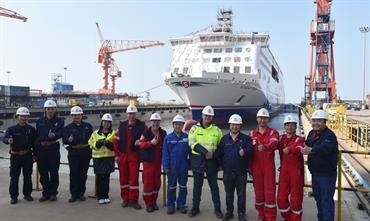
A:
{"x": 99, "y": 143}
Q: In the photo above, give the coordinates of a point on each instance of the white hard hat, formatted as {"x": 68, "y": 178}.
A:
{"x": 155, "y": 116}
{"x": 131, "y": 109}
{"x": 50, "y": 103}
{"x": 76, "y": 110}
{"x": 263, "y": 113}
{"x": 208, "y": 110}
{"x": 290, "y": 119}
{"x": 235, "y": 119}
{"x": 23, "y": 111}
{"x": 178, "y": 118}
{"x": 319, "y": 114}
{"x": 107, "y": 117}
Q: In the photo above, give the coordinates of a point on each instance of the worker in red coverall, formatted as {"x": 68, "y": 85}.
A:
{"x": 126, "y": 152}
{"x": 265, "y": 141}
{"x": 151, "y": 142}
{"x": 291, "y": 180}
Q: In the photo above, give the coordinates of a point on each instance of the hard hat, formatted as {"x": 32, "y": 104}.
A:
{"x": 208, "y": 110}
{"x": 290, "y": 119}
{"x": 76, "y": 110}
{"x": 235, "y": 119}
{"x": 50, "y": 103}
{"x": 178, "y": 118}
{"x": 263, "y": 113}
{"x": 155, "y": 116}
{"x": 319, "y": 114}
{"x": 131, "y": 109}
{"x": 107, "y": 117}
{"x": 23, "y": 111}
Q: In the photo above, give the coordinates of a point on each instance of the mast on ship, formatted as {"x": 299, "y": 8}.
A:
{"x": 224, "y": 21}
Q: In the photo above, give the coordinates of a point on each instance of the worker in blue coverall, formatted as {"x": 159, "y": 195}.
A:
{"x": 175, "y": 157}
{"x": 21, "y": 138}
{"x": 322, "y": 150}
{"x": 48, "y": 130}
{"x": 234, "y": 150}
{"x": 76, "y": 136}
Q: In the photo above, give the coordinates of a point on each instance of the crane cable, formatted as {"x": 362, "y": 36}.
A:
{"x": 150, "y": 89}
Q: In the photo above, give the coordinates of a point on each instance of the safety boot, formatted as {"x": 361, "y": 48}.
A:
{"x": 135, "y": 205}
{"x": 28, "y": 198}
{"x": 13, "y": 201}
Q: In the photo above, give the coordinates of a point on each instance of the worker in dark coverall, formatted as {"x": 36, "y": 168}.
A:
{"x": 49, "y": 130}
{"x": 76, "y": 136}
{"x": 234, "y": 151}
{"x": 322, "y": 150}
{"x": 21, "y": 138}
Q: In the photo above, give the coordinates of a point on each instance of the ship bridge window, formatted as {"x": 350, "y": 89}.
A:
{"x": 176, "y": 70}
{"x": 208, "y": 50}
{"x": 275, "y": 74}
{"x": 248, "y": 69}
{"x": 238, "y": 50}
{"x": 217, "y": 50}
{"x": 216, "y": 60}
{"x": 228, "y": 50}
{"x": 236, "y": 69}
{"x": 227, "y": 59}
{"x": 237, "y": 59}
{"x": 185, "y": 70}
{"x": 226, "y": 69}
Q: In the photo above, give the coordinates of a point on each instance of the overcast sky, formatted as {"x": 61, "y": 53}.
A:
{"x": 62, "y": 34}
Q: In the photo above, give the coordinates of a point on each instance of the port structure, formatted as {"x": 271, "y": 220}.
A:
{"x": 109, "y": 47}
{"x": 321, "y": 85}
{"x": 11, "y": 14}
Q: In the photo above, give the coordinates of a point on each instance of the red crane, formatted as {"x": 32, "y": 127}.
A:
{"x": 321, "y": 85}
{"x": 11, "y": 14}
{"x": 107, "y": 48}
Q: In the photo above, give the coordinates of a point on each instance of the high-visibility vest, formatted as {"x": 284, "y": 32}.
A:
{"x": 103, "y": 151}
{"x": 207, "y": 137}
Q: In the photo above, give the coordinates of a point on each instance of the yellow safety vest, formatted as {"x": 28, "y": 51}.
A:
{"x": 103, "y": 151}
{"x": 207, "y": 137}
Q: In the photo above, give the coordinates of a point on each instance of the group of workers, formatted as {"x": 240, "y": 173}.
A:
{"x": 204, "y": 150}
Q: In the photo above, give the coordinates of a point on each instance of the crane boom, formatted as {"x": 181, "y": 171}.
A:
{"x": 107, "y": 48}
{"x": 11, "y": 14}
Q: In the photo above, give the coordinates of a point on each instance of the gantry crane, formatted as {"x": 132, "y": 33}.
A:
{"x": 11, "y": 14}
{"x": 108, "y": 47}
{"x": 321, "y": 82}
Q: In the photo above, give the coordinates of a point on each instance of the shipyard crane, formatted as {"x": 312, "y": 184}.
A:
{"x": 11, "y": 14}
{"x": 107, "y": 48}
{"x": 321, "y": 83}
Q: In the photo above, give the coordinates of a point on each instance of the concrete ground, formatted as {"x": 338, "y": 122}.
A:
{"x": 91, "y": 211}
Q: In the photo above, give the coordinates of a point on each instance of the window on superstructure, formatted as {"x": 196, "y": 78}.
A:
{"x": 274, "y": 74}
{"x": 208, "y": 50}
{"x": 185, "y": 70}
{"x": 216, "y": 60}
{"x": 217, "y": 50}
{"x": 237, "y": 59}
{"x": 237, "y": 50}
{"x": 248, "y": 69}
{"x": 228, "y": 50}
{"x": 195, "y": 60}
{"x": 176, "y": 70}
{"x": 236, "y": 69}
{"x": 226, "y": 69}
{"x": 227, "y": 59}
{"x": 248, "y": 49}
{"x": 247, "y": 59}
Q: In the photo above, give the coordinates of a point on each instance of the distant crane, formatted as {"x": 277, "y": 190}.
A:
{"x": 321, "y": 83}
{"x": 107, "y": 48}
{"x": 11, "y": 14}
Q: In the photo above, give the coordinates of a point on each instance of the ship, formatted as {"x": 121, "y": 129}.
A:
{"x": 235, "y": 73}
